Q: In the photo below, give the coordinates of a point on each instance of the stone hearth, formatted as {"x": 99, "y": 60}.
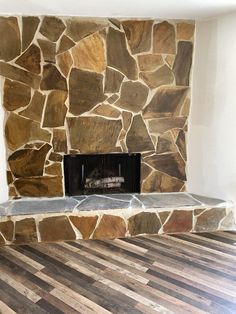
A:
{"x": 111, "y": 216}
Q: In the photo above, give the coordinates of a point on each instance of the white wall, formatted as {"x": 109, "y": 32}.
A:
{"x": 212, "y": 131}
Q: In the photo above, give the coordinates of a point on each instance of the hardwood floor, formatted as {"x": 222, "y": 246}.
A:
{"x": 187, "y": 273}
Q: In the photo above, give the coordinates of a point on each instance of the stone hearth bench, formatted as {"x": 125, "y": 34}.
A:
{"x": 30, "y": 220}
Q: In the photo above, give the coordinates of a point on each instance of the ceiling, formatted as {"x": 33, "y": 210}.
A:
{"x": 179, "y": 9}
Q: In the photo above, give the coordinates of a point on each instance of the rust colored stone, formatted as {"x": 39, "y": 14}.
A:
{"x": 110, "y": 227}
{"x": 85, "y": 225}
{"x": 15, "y": 95}
{"x": 29, "y": 28}
{"x": 179, "y": 221}
{"x": 162, "y": 76}
{"x": 144, "y": 223}
{"x": 59, "y": 141}
{"x": 164, "y": 38}
{"x": 25, "y": 231}
{"x": 30, "y": 59}
{"x": 35, "y": 109}
{"x": 56, "y": 229}
{"x": 65, "y": 61}
{"x": 209, "y": 220}
{"x": 7, "y": 229}
{"x": 52, "y": 27}
{"x": 149, "y": 62}
{"x": 52, "y": 79}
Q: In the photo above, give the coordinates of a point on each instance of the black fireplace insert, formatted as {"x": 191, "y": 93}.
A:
{"x": 102, "y": 174}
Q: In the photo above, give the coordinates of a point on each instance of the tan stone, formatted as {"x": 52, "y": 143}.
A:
{"x": 10, "y": 44}
{"x": 163, "y": 125}
{"x": 29, "y": 28}
{"x": 28, "y": 162}
{"x": 15, "y": 95}
{"x": 7, "y": 229}
{"x": 65, "y": 61}
{"x": 78, "y": 28}
{"x": 163, "y": 216}
{"x": 170, "y": 59}
{"x": 25, "y": 231}
{"x": 17, "y": 74}
{"x": 19, "y": 131}
{"x": 40, "y": 186}
{"x": 110, "y": 227}
{"x": 55, "y": 110}
{"x": 144, "y": 223}
{"x": 54, "y": 169}
{"x": 59, "y": 141}
{"x": 65, "y": 44}
{"x": 13, "y": 193}
{"x": 35, "y": 109}
{"x": 30, "y": 59}
{"x": 179, "y": 221}
{"x": 107, "y": 111}
{"x": 118, "y": 56}
{"x": 52, "y": 79}
{"x": 56, "y": 229}
{"x": 52, "y": 27}
{"x": 149, "y": 62}
{"x": 48, "y": 49}
{"x": 85, "y": 225}
{"x": 162, "y": 76}
{"x": 138, "y": 138}
{"x": 164, "y": 38}
{"x": 138, "y": 34}
{"x": 126, "y": 118}
{"x": 185, "y": 31}
{"x": 93, "y": 134}
{"x": 133, "y": 96}
{"x": 145, "y": 171}
{"x": 89, "y": 54}
{"x": 160, "y": 182}
{"x": 113, "y": 80}
{"x": 112, "y": 99}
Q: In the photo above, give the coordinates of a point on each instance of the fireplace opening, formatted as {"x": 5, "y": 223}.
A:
{"x": 102, "y": 174}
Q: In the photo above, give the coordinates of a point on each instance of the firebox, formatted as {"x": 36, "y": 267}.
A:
{"x": 102, "y": 173}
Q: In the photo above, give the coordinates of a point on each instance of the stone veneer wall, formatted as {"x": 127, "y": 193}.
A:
{"x": 74, "y": 85}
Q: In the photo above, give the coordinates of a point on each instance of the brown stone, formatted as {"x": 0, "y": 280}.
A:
{"x": 59, "y": 141}
{"x": 126, "y": 118}
{"x": 30, "y": 59}
{"x": 164, "y": 38}
{"x": 107, "y": 111}
{"x": 179, "y": 221}
{"x": 145, "y": 171}
{"x": 15, "y": 95}
{"x": 133, "y": 96}
{"x": 166, "y": 144}
{"x": 78, "y": 28}
{"x": 55, "y": 157}
{"x": 149, "y": 62}
{"x": 89, "y": 54}
{"x": 25, "y": 231}
{"x": 113, "y": 80}
{"x": 35, "y": 109}
{"x": 183, "y": 63}
{"x": 55, "y": 110}
{"x": 166, "y": 102}
{"x": 65, "y": 44}
{"x": 52, "y": 27}
{"x": 10, "y": 44}
{"x": 65, "y": 61}
{"x": 138, "y": 34}
{"x": 181, "y": 143}
{"x": 115, "y": 22}
{"x": 28, "y": 162}
{"x": 29, "y": 28}
{"x": 7, "y": 229}
{"x": 166, "y": 124}
{"x": 171, "y": 164}
{"x": 40, "y": 186}
{"x": 2, "y": 241}
{"x": 160, "y": 182}
{"x": 10, "y": 178}
{"x": 94, "y": 134}
{"x": 210, "y": 220}
{"x": 86, "y": 91}
{"x": 185, "y": 108}
{"x": 13, "y": 193}
{"x": 163, "y": 216}
{"x": 118, "y": 56}
{"x": 17, "y": 74}
{"x": 110, "y": 227}
{"x": 54, "y": 169}
{"x": 138, "y": 139}
{"x": 170, "y": 59}
{"x": 48, "y": 49}
{"x": 56, "y": 229}
{"x": 52, "y": 79}
{"x": 112, "y": 99}
{"x": 19, "y": 131}
{"x": 144, "y": 223}
{"x": 185, "y": 31}
{"x": 162, "y": 76}
{"x": 85, "y": 225}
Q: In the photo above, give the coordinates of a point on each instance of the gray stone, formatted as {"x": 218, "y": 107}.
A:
{"x": 95, "y": 202}
{"x": 209, "y": 201}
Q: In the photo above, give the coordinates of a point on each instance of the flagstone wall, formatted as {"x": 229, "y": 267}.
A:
{"x": 75, "y": 85}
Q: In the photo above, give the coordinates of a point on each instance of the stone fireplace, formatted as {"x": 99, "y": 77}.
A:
{"x": 94, "y": 86}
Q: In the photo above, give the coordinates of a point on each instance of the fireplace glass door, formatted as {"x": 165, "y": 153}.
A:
{"x": 102, "y": 174}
